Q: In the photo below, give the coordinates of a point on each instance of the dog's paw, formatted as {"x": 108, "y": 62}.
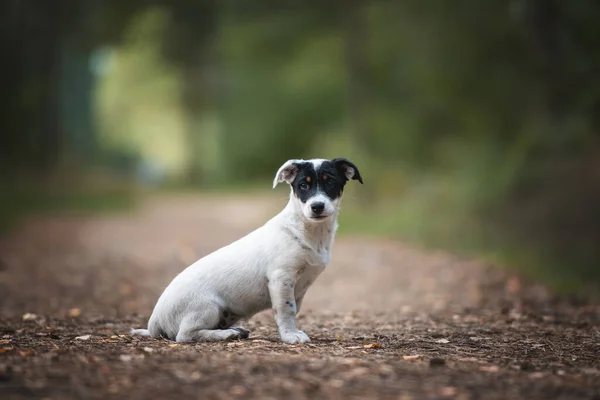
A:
{"x": 244, "y": 333}
{"x": 294, "y": 337}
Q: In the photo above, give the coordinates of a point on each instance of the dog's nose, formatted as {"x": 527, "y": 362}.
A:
{"x": 317, "y": 208}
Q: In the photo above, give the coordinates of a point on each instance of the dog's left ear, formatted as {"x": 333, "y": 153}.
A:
{"x": 287, "y": 172}
{"x": 347, "y": 168}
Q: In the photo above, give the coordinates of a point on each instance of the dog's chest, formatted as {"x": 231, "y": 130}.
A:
{"x": 318, "y": 252}
{"x": 305, "y": 277}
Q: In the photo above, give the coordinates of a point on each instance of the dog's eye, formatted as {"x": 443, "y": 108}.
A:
{"x": 330, "y": 182}
{"x": 304, "y": 186}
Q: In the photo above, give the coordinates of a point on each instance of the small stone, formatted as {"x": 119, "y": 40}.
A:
{"x": 489, "y": 368}
{"x": 29, "y": 317}
{"x": 74, "y": 312}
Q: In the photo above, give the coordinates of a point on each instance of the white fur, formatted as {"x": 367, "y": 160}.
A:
{"x": 272, "y": 266}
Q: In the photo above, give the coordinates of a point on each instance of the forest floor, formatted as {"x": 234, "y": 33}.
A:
{"x": 387, "y": 320}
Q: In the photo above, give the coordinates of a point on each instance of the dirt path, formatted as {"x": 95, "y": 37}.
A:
{"x": 386, "y": 320}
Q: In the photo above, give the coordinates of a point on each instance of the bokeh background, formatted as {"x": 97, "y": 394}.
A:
{"x": 474, "y": 124}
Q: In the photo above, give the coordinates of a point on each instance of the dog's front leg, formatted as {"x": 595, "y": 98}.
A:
{"x": 281, "y": 290}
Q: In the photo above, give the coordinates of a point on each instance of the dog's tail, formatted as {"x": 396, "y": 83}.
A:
{"x": 140, "y": 332}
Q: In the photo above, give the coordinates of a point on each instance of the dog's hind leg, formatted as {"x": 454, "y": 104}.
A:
{"x": 200, "y": 326}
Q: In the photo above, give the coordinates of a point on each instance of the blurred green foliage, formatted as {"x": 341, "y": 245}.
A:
{"x": 475, "y": 124}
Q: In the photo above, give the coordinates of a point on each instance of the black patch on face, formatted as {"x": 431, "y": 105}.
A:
{"x": 327, "y": 179}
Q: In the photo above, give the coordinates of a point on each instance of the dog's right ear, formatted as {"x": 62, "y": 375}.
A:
{"x": 287, "y": 172}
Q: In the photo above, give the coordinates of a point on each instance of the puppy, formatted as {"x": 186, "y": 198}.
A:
{"x": 270, "y": 267}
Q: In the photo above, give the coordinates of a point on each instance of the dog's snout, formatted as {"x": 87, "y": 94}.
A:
{"x": 317, "y": 207}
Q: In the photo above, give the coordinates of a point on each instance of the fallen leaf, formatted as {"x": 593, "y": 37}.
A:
{"x": 354, "y": 347}
{"x": 25, "y": 353}
{"x": 513, "y": 285}
{"x": 238, "y": 390}
{"x": 126, "y": 289}
{"x": 442, "y": 341}
{"x": 148, "y": 349}
{"x": 372, "y": 346}
{"x": 448, "y": 391}
{"x": 5, "y": 349}
{"x": 194, "y": 376}
{"x": 411, "y": 358}
{"x": 5, "y": 341}
{"x": 174, "y": 345}
{"x": 84, "y": 337}
{"x": 29, "y": 317}
{"x": 490, "y": 368}
{"x": 74, "y": 312}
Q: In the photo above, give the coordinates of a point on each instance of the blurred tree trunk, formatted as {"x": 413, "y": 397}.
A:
{"x": 357, "y": 65}
{"x": 546, "y": 37}
{"x": 31, "y": 74}
{"x": 192, "y": 101}
{"x": 52, "y": 140}
{"x": 356, "y": 40}
{"x": 197, "y": 20}
{"x": 199, "y": 99}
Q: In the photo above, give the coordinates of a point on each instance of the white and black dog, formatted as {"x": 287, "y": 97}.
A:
{"x": 271, "y": 267}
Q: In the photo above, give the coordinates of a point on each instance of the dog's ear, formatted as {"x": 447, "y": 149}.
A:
{"x": 347, "y": 169}
{"x": 287, "y": 172}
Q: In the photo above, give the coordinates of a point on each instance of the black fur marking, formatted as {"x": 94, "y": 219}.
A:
{"x": 342, "y": 164}
{"x": 289, "y": 303}
{"x": 245, "y": 332}
{"x": 328, "y": 179}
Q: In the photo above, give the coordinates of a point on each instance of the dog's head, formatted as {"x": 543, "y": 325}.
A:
{"x": 317, "y": 185}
